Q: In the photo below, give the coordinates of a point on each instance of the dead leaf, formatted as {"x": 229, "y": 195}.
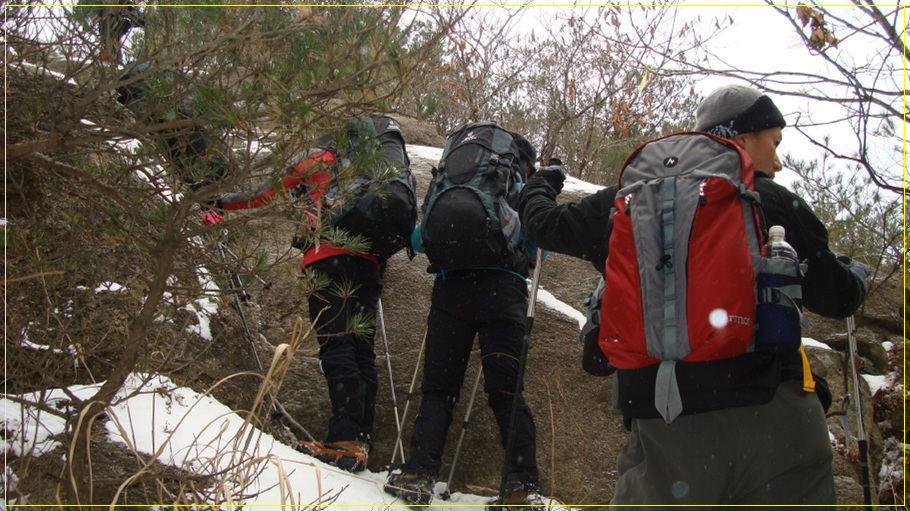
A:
{"x": 803, "y": 14}
{"x": 817, "y": 39}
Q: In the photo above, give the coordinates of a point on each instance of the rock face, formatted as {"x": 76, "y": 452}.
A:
{"x": 578, "y": 438}
{"x": 420, "y": 133}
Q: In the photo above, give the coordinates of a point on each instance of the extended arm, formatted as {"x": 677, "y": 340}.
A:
{"x": 579, "y": 229}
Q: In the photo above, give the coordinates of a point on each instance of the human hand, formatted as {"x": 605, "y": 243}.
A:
{"x": 554, "y": 175}
{"x": 863, "y": 273}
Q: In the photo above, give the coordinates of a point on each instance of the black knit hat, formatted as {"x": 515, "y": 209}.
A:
{"x": 736, "y": 109}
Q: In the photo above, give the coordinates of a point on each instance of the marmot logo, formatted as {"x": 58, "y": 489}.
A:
{"x": 739, "y": 320}
{"x": 671, "y": 161}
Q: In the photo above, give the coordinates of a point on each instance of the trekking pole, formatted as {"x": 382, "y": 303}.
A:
{"x": 522, "y": 362}
{"x": 388, "y": 363}
{"x": 860, "y": 422}
{"x": 464, "y": 426}
{"x": 237, "y": 284}
{"x": 265, "y": 285}
{"x": 211, "y": 218}
{"x": 407, "y": 402}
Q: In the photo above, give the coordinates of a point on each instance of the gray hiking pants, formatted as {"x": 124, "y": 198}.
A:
{"x": 776, "y": 453}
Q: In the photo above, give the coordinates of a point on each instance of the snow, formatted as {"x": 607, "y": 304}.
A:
{"x": 877, "y": 382}
{"x": 421, "y": 151}
{"x": 110, "y": 287}
{"x": 39, "y": 70}
{"x": 573, "y": 185}
{"x": 196, "y": 433}
{"x": 205, "y": 306}
{"x": 547, "y": 299}
{"x": 41, "y": 347}
{"x": 809, "y": 342}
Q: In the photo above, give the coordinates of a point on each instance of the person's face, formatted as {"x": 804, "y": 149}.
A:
{"x": 761, "y": 146}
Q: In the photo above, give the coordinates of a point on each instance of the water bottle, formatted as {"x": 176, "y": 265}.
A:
{"x": 778, "y": 313}
{"x": 777, "y": 246}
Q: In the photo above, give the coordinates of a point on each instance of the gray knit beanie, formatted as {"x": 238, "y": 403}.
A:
{"x": 736, "y": 109}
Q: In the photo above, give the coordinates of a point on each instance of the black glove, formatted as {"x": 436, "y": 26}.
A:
{"x": 861, "y": 271}
{"x": 554, "y": 175}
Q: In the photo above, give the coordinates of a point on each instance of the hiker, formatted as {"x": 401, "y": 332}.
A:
{"x": 475, "y": 293}
{"x": 199, "y": 158}
{"x": 114, "y": 20}
{"x": 749, "y": 432}
{"x": 353, "y": 279}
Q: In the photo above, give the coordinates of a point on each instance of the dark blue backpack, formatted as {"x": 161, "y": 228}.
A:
{"x": 470, "y": 220}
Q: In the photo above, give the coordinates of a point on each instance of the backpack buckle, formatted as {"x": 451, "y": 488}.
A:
{"x": 769, "y": 295}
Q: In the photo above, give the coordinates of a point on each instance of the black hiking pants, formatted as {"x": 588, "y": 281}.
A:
{"x": 491, "y": 305}
{"x": 348, "y": 360}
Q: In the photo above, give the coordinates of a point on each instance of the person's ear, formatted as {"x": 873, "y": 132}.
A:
{"x": 740, "y": 140}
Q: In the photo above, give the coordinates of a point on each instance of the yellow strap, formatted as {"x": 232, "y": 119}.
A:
{"x": 808, "y": 381}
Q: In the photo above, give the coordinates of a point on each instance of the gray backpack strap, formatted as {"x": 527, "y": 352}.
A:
{"x": 666, "y": 390}
{"x": 667, "y": 225}
{"x": 667, "y": 399}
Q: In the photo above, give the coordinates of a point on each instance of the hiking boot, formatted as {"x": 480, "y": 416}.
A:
{"x": 411, "y": 488}
{"x": 519, "y": 496}
{"x": 349, "y": 455}
{"x": 519, "y": 501}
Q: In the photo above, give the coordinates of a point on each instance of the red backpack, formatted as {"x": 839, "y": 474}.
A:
{"x": 379, "y": 204}
{"x": 685, "y": 250}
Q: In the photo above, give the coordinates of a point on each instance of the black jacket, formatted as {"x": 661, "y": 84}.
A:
{"x": 582, "y": 228}
{"x": 830, "y": 289}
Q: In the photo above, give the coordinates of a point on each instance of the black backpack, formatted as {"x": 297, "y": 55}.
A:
{"x": 379, "y": 205}
{"x": 470, "y": 218}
